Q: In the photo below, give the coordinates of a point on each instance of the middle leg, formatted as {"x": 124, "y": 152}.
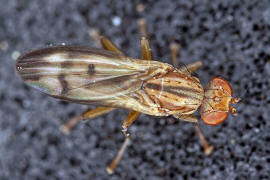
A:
{"x": 133, "y": 115}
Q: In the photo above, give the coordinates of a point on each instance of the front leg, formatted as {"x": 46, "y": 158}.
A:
{"x": 188, "y": 69}
{"x": 191, "y": 118}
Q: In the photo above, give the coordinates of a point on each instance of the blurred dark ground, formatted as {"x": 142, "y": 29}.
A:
{"x": 232, "y": 40}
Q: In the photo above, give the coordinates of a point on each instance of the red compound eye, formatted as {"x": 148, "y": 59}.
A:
{"x": 219, "y": 82}
{"x": 214, "y": 118}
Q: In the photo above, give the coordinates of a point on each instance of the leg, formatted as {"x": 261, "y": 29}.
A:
{"x": 146, "y": 51}
{"x": 108, "y": 45}
{"x": 88, "y": 114}
{"x": 140, "y": 8}
{"x": 190, "y": 68}
{"x": 133, "y": 115}
{"x": 110, "y": 169}
{"x": 207, "y": 148}
{"x": 175, "y": 54}
{"x": 142, "y": 25}
{"x": 94, "y": 33}
{"x": 190, "y": 118}
{"x": 104, "y": 42}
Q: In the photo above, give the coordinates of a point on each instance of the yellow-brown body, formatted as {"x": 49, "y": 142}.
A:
{"x": 108, "y": 78}
{"x": 100, "y": 77}
{"x": 105, "y": 78}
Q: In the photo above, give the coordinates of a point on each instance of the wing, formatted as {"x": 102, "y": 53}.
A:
{"x": 86, "y": 75}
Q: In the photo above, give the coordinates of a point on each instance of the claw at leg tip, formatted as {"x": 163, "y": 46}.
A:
{"x": 64, "y": 129}
{"x": 208, "y": 150}
{"x": 109, "y": 170}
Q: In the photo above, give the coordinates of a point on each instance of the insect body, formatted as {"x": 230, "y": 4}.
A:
{"x": 108, "y": 78}
{"x": 91, "y": 76}
{"x": 100, "y": 77}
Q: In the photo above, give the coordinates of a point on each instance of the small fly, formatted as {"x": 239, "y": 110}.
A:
{"x": 108, "y": 79}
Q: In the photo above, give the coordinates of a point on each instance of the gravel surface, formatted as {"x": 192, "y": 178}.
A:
{"x": 231, "y": 38}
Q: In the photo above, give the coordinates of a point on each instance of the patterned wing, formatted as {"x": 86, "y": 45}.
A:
{"x": 86, "y": 75}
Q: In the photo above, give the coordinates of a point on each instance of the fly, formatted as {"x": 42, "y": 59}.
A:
{"x": 109, "y": 79}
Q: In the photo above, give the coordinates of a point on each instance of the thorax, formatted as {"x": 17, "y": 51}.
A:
{"x": 175, "y": 92}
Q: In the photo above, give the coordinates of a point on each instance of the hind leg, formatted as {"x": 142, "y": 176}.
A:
{"x": 88, "y": 114}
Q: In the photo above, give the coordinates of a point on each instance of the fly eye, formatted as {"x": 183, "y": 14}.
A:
{"x": 222, "y": 86}
{"x": 214, "y": 118}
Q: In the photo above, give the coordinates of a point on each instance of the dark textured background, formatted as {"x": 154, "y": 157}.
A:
{"x": 232, "y": 39}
